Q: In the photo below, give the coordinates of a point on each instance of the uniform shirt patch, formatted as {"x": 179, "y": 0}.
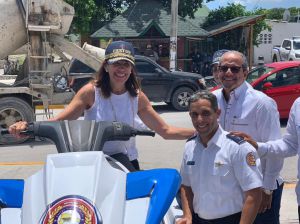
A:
{"x": 250, "y": 158}
{"x": 218, "y": 164}
{"x": 239, "y": 140}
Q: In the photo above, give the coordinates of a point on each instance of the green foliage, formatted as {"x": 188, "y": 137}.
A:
{"x": 234, "y": 39}
{"x": 84, "y": 12}
{"x": 91, "y": 14}
{"x": 186, "y": 7}
{"x": 277, "y": 13}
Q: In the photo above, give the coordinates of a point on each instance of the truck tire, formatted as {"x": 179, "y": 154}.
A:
{"x": 180, "y": 98}
{"x": 275, "y": 58}
{"x": 13, "y": 109}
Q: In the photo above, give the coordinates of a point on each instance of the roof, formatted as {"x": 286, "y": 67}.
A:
{"x": 144, "y": 15}
{"x": 283, "y": 64}
{"x": 233, "y": 23}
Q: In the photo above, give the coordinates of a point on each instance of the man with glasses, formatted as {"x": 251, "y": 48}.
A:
{"x": 215, "y": 189}
{"x": 248, "y": 110}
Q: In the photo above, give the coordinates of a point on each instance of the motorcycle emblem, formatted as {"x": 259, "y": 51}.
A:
{"x": 72, "y": 209}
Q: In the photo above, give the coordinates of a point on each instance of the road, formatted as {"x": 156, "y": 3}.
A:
{"x": 20, "y": 161}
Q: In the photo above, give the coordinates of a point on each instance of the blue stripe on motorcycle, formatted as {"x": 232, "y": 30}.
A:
{"x": 11, "y": 193}
{"x": 161, "y": 185}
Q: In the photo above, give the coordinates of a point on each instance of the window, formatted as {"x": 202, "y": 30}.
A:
{"x": 285, "y": 77}
{"x": 286, "y": 43}
{"x": 265, "y": 38}
{"x": 258, "y": 72}
{"x": 145, "y": 67}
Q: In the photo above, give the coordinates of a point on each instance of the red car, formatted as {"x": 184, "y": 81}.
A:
{"x": 280, "y": 81}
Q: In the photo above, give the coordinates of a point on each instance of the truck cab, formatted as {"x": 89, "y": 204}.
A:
{"x": 288, "y": 51}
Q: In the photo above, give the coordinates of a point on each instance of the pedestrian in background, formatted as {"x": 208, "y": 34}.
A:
{"x": 221, "y": 180}
{"x": 197, "y": 60}
{"x": 215, "y": 64}
{"x": 251, "y": 111}
{"x": 149, "y": 52}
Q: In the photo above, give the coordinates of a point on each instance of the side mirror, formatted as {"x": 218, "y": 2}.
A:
{"x": 288, "y": 48}
{"x": 267, "y": 85}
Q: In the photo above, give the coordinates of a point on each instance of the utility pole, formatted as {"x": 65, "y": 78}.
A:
{"x": 173, "y": 35}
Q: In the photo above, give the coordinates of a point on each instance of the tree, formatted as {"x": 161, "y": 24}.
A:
{"x": 233, "y": 39}
{"x": 91, "y": 14}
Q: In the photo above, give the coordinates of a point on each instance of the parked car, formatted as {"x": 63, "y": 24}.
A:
{"x": 289, "y": 50}
{"x": 159, "y": 84}
{"x": 280, "y": 81}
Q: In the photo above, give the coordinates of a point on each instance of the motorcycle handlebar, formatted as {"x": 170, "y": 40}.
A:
{"x": 145, "y": 133}
{"x": 5, "y": 131}
{"x": 76, "y": 135}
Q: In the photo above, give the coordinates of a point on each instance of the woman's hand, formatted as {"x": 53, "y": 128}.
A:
{"x": 17, "y": 128}
{"x": 246, "y": 137}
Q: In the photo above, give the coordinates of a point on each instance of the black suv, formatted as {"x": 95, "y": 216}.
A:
{"x": 157, "y": 83}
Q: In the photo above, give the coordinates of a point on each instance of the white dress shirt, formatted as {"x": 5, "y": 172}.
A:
{"x": 219, "y": 174}
{"x": 256, "y": 114}
{"x": 289, "y": 144}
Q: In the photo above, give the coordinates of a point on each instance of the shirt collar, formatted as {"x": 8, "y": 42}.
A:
{"x": 216, "y": 139}
{"x": 239, "y": 91}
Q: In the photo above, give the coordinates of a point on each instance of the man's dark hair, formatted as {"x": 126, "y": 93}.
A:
{"x": 205, "y": 95}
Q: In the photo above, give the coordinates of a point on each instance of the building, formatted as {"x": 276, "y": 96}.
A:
{"x": 269, "y": 38}
{"x": 149, "y": 23}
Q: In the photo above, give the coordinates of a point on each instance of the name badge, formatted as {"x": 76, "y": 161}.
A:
{"x": 190, "y": 163}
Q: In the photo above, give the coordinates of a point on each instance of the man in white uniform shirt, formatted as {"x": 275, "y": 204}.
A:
{"x": 251, "y": 111}
{"x": 221, "y": 180}
{"x": 288, "y": 146}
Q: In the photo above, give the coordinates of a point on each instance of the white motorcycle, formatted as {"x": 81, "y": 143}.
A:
{"x": 81, "y": 185}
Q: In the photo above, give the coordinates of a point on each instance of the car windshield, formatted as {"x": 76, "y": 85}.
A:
{"x": 258, "y": 72}
{"x": 297, "y": 45}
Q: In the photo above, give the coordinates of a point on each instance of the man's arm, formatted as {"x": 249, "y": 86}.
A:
{"x": 288, "y": 145}
{"x": 187, "y": 204}
{"x": 269, "y": 129}
{"x": 251, "y": 205}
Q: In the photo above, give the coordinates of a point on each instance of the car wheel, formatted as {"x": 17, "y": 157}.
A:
{"x": 13, "y": 109}
{"x": 180, "y": 98}
{"x": 275, "y": 59}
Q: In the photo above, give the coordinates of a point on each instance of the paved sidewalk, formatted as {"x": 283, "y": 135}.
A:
{"x": 289, "y": 207}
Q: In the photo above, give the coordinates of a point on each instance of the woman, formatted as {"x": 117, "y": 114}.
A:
{"x": 116, "y": 96}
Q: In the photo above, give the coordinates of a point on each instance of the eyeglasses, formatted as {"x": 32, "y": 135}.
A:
{"x": 120, "y": 63}
{"x": 233, "y": 69}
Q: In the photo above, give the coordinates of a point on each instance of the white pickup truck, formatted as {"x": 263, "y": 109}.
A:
{"x": 289, "y": 50}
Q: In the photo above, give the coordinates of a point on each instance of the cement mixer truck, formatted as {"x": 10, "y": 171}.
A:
{"x": 41, "y": 26}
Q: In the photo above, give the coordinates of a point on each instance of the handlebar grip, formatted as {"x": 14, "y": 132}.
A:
{"x": 4, "y": 131}
{"x": 145, "y": 133}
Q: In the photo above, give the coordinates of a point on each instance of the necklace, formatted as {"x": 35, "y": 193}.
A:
{"x": 114, "y": 111}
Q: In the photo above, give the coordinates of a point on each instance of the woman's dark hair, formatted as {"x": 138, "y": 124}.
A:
{"x": 103, "y": 82}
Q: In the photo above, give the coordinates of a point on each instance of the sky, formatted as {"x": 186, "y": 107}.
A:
{"x": 252, "y": 4}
